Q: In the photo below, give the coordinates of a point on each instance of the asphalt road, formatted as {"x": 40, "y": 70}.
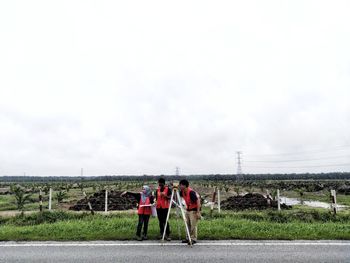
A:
{"x": 150, "y": 251}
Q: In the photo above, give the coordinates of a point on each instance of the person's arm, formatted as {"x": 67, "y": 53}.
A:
{"x": 151, "y": 199}
{"x": 162, "y": 194}
{"x": 199, "y": 205}
{"x": 196, "y": 199}
{"x": 137, "y": 196}
{"x": 193, "y": 196}
{"x": 169, "y": 193}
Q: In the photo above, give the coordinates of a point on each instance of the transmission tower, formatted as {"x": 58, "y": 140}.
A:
{"x": 239, "y": 166}
{"x": 177, "y": 171}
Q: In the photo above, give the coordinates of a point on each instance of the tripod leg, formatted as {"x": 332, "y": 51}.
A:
{"x": 184, "y": 218}
{"x": 177, "y": 218}
{"x": 167, "y": 217}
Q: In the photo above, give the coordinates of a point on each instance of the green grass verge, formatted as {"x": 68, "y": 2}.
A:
{"x": 285, "y": 225}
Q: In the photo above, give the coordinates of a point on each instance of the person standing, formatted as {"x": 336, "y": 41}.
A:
{"x": 163, "y": 195}
{"x": 193, "y": 206}
{"x": 144, "y": 211}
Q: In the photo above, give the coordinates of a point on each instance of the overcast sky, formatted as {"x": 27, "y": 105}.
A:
{"x": 140, "y": 87}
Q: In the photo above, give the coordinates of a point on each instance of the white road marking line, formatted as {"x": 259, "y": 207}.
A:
{"x": 174, "y": 244}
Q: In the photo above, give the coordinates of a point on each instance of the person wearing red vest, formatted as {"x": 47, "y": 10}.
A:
{"x": 162, "y": 195}
{"x": 193, "y": 208}
{"x": 144, "y": 211}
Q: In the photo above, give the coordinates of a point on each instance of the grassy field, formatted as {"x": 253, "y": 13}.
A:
{"x": 7, "y": 202}
{"x": 60, "y": 224}
{"x": 299, "y": 223}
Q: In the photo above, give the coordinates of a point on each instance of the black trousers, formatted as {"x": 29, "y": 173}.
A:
{"x": 143, "y": 220}
{"x": 162, "y": 214}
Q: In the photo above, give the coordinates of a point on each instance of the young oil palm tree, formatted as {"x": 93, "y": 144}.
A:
{"x": 21, "y": 197}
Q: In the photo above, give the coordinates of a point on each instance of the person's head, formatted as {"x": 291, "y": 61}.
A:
{"x": 161, "y": 182}
{"x": 184, "y": 184}
{"x": 146, "y": 190}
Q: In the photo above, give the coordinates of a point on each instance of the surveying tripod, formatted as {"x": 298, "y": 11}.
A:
{"x": 176, "y": 200}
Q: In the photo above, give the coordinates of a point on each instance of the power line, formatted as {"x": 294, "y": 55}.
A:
{"x": 307, "y": 166}
{"x": 331, "y": 149}
{"x": 298, "y": 160}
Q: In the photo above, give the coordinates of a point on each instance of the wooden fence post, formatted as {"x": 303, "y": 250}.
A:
{"x": 50, "y": 198}
{"x": 213, "y": 201}
{"x": 106, "y": 201}
{"x": 89, "y": 204}
{"x": 334, "y": 201}
{"x": 40, "y": 200}
{"x": 219, "y": 202}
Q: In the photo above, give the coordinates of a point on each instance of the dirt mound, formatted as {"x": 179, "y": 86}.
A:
{"x": 345, "y": 189}
{"x": 115, "y": 202}
{"x": 250, "y": 201}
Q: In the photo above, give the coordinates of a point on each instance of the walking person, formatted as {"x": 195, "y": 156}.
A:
{"x": 163, "y": 195}
{"x": 193, "y": 207}
{"x": 144, "y": 211}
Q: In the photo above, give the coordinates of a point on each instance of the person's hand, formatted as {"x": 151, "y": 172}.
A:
{"x": 123, "y": 193}
{"x": 199, "y": 215}
{"x": 162, "y": 194}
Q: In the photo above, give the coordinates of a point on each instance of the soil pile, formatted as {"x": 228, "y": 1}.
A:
{"x": 97, "y": 201}
{"x": 250, "y": 201}
{"x": 345, "y": 189}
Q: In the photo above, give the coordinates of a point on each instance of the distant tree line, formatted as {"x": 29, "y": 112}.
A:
{"x": 210, "y": 177}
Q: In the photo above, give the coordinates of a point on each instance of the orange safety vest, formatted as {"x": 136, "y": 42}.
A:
{"x": 144, "y": 210}
{"x": 190, "y": 205}
{"x": 162, "y": 202}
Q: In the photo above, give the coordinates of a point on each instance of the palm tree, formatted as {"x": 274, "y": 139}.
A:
{"x": 236, "y": 189}
{"x": 301, "y": 191}
{"x": 81, "y": 186}
{"x": 68, "y": 187}
{"x": 46, "y": 189}
{"x": 21, "y": 197}
{"x": 60, "y": 195}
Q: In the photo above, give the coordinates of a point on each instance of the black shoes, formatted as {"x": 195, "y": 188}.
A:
{"x": 167, "y": 238}
{"x": 188, "y": 242}
{"x": 139, "y": 238}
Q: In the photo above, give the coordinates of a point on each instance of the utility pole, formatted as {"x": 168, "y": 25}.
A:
{"x": 81, "y": 176}
{"x": 239, "y": 166}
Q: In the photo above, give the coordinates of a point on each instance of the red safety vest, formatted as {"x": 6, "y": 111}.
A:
{"x": 162, "y": 202}
{"x": 144, "y": 210}
{"x": 190, "y": 205}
